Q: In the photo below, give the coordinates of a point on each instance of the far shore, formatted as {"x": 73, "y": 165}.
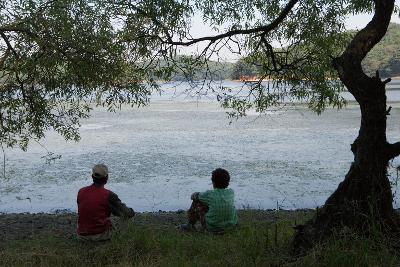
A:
{"x": 255, "y": 79}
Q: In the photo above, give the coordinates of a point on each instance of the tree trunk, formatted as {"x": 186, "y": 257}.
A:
{"x": 366, "y": 187}
{"x": 364, "y": 199}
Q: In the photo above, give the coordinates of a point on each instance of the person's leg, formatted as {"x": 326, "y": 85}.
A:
{"x": 197, "y": 213}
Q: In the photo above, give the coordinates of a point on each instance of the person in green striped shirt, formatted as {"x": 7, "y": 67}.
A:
{"x": 214, "y": 209}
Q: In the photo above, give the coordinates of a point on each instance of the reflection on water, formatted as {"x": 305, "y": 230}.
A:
{"x": 159, "y": 154}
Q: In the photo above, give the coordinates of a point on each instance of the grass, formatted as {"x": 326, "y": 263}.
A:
{"x": 253, "y": 243}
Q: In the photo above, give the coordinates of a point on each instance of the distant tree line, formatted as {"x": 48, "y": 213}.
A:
{"x": 385, "y": 57}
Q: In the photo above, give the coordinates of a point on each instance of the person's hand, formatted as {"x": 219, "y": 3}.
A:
{"x": 194, "y": 196}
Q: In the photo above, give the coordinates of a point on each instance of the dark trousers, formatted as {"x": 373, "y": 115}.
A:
{"x": 197, "y": 213}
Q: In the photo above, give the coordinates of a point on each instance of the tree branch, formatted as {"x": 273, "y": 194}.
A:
{"x": 368, "y": 37}
{"x": 348, "y": 65}
{"x": 265, "y": 29}
{"x": 393, "y": 150}
{"x": 5, "y": 38}
{"x": 14, "y": 27}
{"x": 270, "y": 51}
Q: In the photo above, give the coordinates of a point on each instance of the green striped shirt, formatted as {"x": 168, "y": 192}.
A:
{"x": 221, "y": 213}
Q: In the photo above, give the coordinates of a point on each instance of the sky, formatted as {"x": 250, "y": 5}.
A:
{"x": 199, "y": 29}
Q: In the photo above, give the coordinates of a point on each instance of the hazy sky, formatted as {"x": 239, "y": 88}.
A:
{"x": 199, "y": 30}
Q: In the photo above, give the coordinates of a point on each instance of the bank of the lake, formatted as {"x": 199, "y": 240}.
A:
{"x": 23, "y": 226}
{"x": 263, "y": 238}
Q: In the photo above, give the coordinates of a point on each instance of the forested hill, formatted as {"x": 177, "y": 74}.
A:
{"x": 385, "y": 56}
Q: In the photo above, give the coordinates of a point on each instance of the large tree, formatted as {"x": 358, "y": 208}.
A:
{"x": 56, "y": 54}
{"x": 315, "y": 60}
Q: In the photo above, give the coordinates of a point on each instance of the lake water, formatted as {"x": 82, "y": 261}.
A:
{"x": 158, "y": 155}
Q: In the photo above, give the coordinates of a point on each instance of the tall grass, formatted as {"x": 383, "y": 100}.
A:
{"x": 254, "y": 243}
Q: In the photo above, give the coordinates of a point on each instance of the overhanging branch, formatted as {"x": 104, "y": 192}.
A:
{"x": 264, "y": 29}
{"x": 9, "y": 46}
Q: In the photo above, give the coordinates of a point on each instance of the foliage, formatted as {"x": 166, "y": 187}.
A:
{"x": 243, "y": 68}
{"x": 59, "y": 58}
{"x": 300, "y": 68}
{"x": 385, "y": 57}
{"x": 191, "y": 69}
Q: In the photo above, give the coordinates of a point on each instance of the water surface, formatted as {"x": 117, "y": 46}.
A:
{"x": 158, "y": 155}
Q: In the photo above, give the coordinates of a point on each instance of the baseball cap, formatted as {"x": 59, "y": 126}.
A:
{"x": 100, "y": 171}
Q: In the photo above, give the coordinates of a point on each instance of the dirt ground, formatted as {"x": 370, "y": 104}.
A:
{"x": 17, "y": 226}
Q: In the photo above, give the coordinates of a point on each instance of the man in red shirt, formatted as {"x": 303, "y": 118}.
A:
{"x": 95, "y": 205}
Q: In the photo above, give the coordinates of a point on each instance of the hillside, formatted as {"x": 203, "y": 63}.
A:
{"x": 213, "y": 70}
{"x": 385, "y": 56}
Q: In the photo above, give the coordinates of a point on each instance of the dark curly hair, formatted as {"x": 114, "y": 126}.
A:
{"x": 220, "y": 178}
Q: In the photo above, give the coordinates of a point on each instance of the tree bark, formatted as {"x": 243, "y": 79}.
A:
{"x": 364, "y": 199}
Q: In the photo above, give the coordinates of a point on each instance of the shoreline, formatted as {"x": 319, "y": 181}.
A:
{"x": 22, "y": 226}
{"x": 262, "y": 238}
